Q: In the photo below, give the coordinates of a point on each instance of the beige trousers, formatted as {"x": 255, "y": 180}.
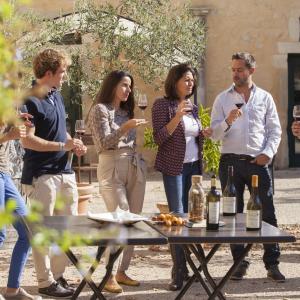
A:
{"x": 46, "y": 190}
{"x": 122, "y": 180}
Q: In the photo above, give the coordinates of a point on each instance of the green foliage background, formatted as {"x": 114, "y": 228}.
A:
{"x": 144, "y": 37}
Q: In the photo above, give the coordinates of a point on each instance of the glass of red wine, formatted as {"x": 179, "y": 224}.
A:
{"x": 80, "y": 128}
{"x": 239, "y": 105}
{"x": 142, "y": 103}
{"x": 296, "y": 113}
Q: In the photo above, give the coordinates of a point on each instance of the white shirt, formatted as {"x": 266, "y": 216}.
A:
{"x": 257, "y": 131}
{"x": 191, "y": 131}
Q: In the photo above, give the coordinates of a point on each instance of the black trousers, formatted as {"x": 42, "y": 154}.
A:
{"x": 243, "y": 171}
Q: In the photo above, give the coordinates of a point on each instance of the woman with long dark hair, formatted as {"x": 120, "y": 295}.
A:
{"x": 121, "y": 171}
{"x": 179, "y": 135}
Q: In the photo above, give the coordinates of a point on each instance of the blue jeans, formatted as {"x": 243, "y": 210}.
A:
{"x": 177, "y": 187}
{"x": 22, "y": 246}
{"x": 177, "y": 192}
{"x": 243, "y": 170}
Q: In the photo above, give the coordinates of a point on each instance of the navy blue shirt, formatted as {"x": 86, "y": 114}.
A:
{"x": 49, "y": 119}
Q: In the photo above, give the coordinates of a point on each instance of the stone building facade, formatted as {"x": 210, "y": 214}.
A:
{"x": 269, "y": 29}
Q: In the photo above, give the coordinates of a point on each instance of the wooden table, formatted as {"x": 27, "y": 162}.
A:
{"x": 234, "y": 232}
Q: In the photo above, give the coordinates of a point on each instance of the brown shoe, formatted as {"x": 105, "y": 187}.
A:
{"x": 126, "y": 280}
{"x": 113, "y": 287}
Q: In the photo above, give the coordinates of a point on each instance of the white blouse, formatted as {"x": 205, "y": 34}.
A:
{"x": 192, "y": 128}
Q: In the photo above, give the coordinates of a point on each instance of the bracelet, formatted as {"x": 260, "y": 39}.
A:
{"x": 61, "y": 146}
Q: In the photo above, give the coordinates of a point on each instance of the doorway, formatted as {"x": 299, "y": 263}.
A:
{"x": 293, "y": 99}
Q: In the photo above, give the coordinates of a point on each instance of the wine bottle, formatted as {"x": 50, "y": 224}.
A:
{"x": 229, "y": 195}
{"x": 196, "y": 200}
{"x": 254, "y": 207}
{"x": 213, "y": 206}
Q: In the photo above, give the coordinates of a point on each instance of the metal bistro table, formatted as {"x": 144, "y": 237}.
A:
{"x": 234, "y": 232}
{"x": 101, "y": 235}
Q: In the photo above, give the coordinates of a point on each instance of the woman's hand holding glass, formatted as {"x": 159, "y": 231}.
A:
{"x": 184, "y": 108}
{"x": 207, "y": 132}
{"x": 132, "y": 123}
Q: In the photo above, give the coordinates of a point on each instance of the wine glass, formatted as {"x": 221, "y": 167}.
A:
{"x": 80, "y": 128}
{"x": 189, "y": 109}
{"x": 239, "y": 105}
{"x": 296, "y": 112}
{"x": 240, "y": 100}
{"x": 142, "y": 103}
{"x": 21, "y": 110}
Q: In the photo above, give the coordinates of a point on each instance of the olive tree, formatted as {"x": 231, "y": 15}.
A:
{"x": 145, "y": 37}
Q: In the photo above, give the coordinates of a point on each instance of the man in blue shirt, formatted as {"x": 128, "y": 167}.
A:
{"x": 46, "y": 172}
{"x": 244, "y": 118}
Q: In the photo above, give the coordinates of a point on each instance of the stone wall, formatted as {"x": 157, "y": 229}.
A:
{"x": 269, "y": 29}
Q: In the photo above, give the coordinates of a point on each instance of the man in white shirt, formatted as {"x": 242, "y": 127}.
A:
{"x": 244, "y": 118}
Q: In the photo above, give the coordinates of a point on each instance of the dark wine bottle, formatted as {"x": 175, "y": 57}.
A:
{"x": 254, "y": 207}
{"x": 229, "y": 195}
{"x": 213, "y": 206}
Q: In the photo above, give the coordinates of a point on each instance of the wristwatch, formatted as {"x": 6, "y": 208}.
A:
{"x": 228, "y": 125}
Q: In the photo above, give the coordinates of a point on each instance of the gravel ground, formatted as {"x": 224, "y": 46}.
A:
{"x": 152, "y": 268}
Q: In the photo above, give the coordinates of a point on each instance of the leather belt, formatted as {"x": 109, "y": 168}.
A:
{"x": 237, "y": 156}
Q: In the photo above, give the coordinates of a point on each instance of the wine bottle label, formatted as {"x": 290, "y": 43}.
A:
{"x": 229, "y": 205}
{"x": 213, "y": 212}
{"x": 253, "y": 218}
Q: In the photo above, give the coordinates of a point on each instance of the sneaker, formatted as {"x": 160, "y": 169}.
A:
{"x": 63, "y": 282}
{"x": 56, "y": 290}
{"x": 21, "y": 295}
{"x": 241, "y": 271}
{"x": 275, "y": 274}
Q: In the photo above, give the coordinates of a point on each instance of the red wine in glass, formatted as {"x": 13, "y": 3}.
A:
{"x": 296, "y": 112}
{"x": 142, "y": 103}
{"x": 239, "y": 105}
{"x": 142, "y": 107}
{"x": 80, "y": 132}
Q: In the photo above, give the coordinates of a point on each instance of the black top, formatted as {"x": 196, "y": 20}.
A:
{"x": 49, "y": 119}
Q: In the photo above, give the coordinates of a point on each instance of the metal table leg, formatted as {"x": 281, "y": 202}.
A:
{"x": 213, "y": 290}
{"x": 200, "y": 255}
{"x": 86, "y": 278}
{"x": 193, "y": 278}
{"x": 112, "y": 258}
{"x": 230, "y": 272}
{"x": 90, "y": 272}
